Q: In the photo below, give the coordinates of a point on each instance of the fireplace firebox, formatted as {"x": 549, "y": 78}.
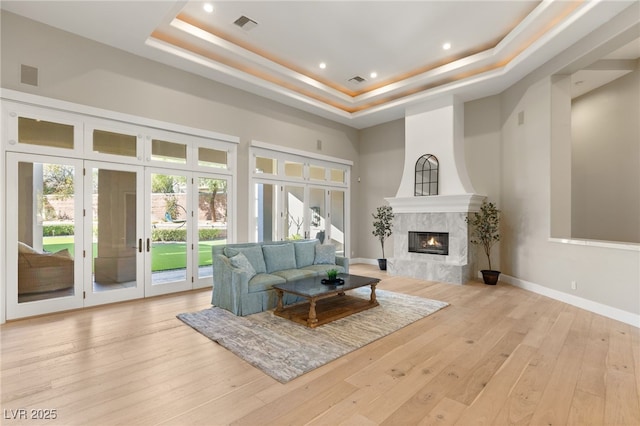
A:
{"x": 429, "y": 242}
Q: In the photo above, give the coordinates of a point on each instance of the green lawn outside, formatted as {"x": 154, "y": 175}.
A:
{"x": 166, "y": 256}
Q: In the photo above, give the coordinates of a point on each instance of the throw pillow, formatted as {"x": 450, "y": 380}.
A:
{"x": 279, "y": 257}
{"x": 240, "y": 261}
{"x": 252, "y": 253}
{"x": 305, "y": 252}
{"x": 25, "y": 249}
{"x": 63, "y": 254}
{"x": 325, "y": 255}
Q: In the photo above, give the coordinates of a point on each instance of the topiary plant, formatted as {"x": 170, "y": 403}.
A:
{"x": 383, "y": 218}
{"x": 485, "y": 230}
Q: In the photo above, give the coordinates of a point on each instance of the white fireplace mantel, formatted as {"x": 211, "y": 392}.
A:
{"x": 437, "y": 203}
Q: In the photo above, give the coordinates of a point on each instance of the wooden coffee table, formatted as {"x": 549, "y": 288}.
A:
{"x": 326, "y": 303}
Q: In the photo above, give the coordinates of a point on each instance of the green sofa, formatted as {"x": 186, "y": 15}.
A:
{"x": 243, "y": 274}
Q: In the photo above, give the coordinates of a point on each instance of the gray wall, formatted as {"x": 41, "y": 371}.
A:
{"x": 382, "y": 162}
{"x": 609, "y": 276}
{"x": 483, "y": 158}
{"x": 605, "y": 167}
{"x": 79, "y": 70}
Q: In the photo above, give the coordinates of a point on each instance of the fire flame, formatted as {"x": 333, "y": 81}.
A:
{"x": 431, "y": 242}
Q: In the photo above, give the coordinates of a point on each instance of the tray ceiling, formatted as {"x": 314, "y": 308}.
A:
{"x": 379, "y": 57}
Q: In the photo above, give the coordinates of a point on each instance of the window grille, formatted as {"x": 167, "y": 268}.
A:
{"x": 426, "y": 175}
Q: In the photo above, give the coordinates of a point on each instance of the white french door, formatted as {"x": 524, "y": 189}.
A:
{"x": 87, "y": 218}
{"x": 113, "y": 232}
{"x": 85, "y": 233}
{"x": 325, "y": 216}
{"x": 44, "y": 231}
{"x": 293, "y": 211}
{"x": 316, "y": 213}
{"x": 212, "y": 221}
{"x": 298, "y": 195}
{"x": 168, "y": 238}
{"x": 186, "y": 213}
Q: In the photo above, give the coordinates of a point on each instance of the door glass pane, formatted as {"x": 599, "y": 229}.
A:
{"x": 114, "y": 227}
{"x": 45, "y": 133}
{"x": 337, "y": 221}
{"x": 317, "y": 213}
{"x": 293, "y": 212}
{"x": 317, "y": 173}
{"x": 266, "y": 165}
{"x": 169, "y": 228}
{"x": 212, "y": 158}
{"x": 292, "y": 169}
{"x": 265, "y": 210}
{"x": 168, "y": 151}
{"x": 212, "y": 220}
{"x": 114, "y": 143}
{"x": 337, "y": 175}
{"x": 46, "y": 229}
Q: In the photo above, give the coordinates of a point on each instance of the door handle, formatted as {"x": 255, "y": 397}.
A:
{"x": 140, "y": 245}
{"x": 148, "y": 245}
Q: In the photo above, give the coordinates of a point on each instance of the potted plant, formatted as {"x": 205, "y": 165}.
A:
{"x": 332, "y": 274}
{"x": 485, "y": 232}
{"x": 332, "y": 278}
{"x": 382, "y": 229}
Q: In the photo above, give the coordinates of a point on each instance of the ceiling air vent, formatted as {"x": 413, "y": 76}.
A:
{"x": 245, "y": 23}
{"x": 356, "y": 79}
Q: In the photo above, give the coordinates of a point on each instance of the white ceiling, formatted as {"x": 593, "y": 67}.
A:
{"x": 493, "y": 45}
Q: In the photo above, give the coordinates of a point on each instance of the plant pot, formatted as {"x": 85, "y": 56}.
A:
{"x": 382, "y": 264}
{"x": 490, "y": 277}
{"x": 335, "y": 281}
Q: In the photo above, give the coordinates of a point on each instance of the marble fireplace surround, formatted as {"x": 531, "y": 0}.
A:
{"x": 435, "y": 128}
{"x": 440, "y": 213}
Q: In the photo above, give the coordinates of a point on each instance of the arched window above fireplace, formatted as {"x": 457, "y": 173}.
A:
{"x": 426, "y": 175}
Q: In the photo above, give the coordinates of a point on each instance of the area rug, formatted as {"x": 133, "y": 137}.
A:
{"x": 285, "y": 350}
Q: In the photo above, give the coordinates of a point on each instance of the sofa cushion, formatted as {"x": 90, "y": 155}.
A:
{"x": 264, "y": 282}
{"x": 305, "y": 252}
{"x": 279, "y": 257}
{"x": 322, "y": 269}
{"x": 240, "y": 261}
{"x": 295, "y": 274}
{"x": 253, "y": 255}
{"x": 325, "y": 255}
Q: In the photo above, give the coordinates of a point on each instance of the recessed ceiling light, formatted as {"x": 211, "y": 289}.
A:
{"x": 373, "y": 74}
{"x": 208, "y": 7}
{"x": 322, "y": 65}
{"x": 446, "y": 46}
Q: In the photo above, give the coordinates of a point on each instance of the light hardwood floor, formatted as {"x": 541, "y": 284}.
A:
{"x": 497, "y": 355}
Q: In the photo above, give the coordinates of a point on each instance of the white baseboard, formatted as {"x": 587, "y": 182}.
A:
{"x": 589, "y": 305}
{"x": 366, "y": 261}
